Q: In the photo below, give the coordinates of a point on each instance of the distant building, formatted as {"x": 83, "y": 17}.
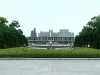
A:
{"x": 61, "y": 37}
{"x": 33, "y": 33}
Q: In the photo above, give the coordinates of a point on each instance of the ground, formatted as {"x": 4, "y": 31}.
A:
{"x": 49, "y": 67}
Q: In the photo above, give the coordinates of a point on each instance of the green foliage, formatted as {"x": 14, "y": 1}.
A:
{"x": 10, "y": 36}
{"x": 38, "y": 53}
{"x": 90, "y": 34}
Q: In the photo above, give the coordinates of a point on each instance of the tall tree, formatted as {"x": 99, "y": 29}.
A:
{"x": 90, "y": 34}
{"x": 10, "y": 35}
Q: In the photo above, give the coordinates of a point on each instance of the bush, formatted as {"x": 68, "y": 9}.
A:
{"x": 33, "y": 53}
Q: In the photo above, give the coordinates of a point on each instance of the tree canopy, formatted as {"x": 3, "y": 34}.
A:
{"x": 90, "y": 34}
{"x": 10, "y": 36}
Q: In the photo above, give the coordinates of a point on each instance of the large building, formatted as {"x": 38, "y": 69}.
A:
{"x": 33, "y": 33}
{"x": 61, "y": 37}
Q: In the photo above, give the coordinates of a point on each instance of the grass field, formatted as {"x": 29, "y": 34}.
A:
{"x": 38, "y": 53}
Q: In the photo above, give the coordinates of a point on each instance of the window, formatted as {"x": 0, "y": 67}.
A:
{"x": 61, "y": 38}
{"x": 45, "y": 38}
{"x": 65, "y": 38}
{"x": 39, "y": 38}
{"x": 54, "y": 38}
{"x": 48, "y": 38}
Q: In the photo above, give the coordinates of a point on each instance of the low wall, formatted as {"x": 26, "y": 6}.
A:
{"x": 51, "y": 47}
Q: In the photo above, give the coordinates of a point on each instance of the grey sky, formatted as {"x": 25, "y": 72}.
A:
{"x": 50, "y": 14}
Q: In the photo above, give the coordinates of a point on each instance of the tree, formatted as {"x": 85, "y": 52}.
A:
{"x": 90, "y": 34}
{"x": 10, "y": 36}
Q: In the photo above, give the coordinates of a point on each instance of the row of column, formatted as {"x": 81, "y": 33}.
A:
{"x": 51, "y": 38}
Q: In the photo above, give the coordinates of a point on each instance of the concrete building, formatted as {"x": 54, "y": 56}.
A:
{"x": 33, "y": 33}
{"x": 61, "y": 37}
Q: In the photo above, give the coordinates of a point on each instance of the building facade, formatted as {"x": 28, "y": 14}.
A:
{"x": 61, "y": 37}
{"x": 33, "y": 33}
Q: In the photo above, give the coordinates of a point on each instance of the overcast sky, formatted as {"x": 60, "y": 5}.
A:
{"x": 50, "y": 14}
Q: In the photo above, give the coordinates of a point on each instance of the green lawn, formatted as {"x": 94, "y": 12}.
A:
{"x": 34, "y": 53}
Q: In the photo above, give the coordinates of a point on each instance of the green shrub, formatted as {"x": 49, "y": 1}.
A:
{"x": 33, "y": 53}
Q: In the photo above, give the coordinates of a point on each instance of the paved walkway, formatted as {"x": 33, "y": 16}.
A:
{"x": 49, "y": 67}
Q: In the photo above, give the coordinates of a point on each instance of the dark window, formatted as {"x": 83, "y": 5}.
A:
{"x": 70, "y": 38}
{"x": 39, "y": 38}
{"x": 48, "y": 38}
{"x": 61, "y": 38}
{"x": 65, "y": 38}
{"x": 45, "y": 38}
{"x": 54, "y": 38}
{"x": 33, "y": 38}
